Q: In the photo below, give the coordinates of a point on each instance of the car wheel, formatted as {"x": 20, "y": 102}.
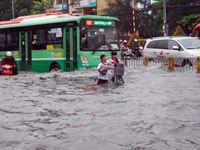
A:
{"x": 186, "y": 63}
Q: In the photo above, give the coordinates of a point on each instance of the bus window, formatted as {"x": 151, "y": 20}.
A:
{"x": 99, "y": 38}
{"x": 9, "y": 41}
{"x": 39, "y": 40}
{"x": 2, "y": 42}
{"x": 50, "y": 39}
{"x": 54, "y": 38}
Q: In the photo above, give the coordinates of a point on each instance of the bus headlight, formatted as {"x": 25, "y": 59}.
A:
{"x": 84, "y": 61}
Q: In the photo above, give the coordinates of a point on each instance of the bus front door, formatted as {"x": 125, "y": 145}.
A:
{"x": 26, "y": 54}
{"x": 71, "y": 49}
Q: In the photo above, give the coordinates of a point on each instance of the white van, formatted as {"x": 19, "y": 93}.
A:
{"x": 185, "y": 48}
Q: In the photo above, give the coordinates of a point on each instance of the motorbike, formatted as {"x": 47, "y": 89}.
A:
{"x": 118, "y": 73}
{"x": 137, "y": 51}
{"x": 126, "y": 52}
{"x": 8, "y": 69}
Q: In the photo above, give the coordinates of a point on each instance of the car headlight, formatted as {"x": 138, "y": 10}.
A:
{"x": 84, "y": 61}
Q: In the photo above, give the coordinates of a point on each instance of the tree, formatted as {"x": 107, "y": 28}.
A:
{"x": 188, "y": 22}
{"x": 5, "y": 10}
{"x": 122, "y": 10}
{"x": 178, "y": 9}
{"x": 148, "y": 20}
{"x": 23, "y": 7}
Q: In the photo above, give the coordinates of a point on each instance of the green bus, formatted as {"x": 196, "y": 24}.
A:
{"x": 52, "y": 41}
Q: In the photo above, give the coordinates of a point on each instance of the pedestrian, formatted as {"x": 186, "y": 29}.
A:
{"x": 114, "y": 58}
{"x": 113, "y": 61}
{"x": 102, "y": 69}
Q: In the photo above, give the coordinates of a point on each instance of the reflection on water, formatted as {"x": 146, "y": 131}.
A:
{"x": 153, "y": 110}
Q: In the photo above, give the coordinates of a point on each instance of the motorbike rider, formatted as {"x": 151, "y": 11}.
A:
{"x": 136, "y": 48}
{"x": 10, "y": 60}
{"x": 124, "y": 49}
{"x": 124, "y": 45}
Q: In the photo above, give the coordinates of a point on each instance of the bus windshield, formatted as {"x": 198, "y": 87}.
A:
{"x": 99, "y": 38}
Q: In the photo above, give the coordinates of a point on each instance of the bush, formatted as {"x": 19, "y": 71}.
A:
{"x": 179, "y": 31}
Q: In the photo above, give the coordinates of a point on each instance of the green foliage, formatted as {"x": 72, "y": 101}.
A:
{"x": 151, "y": 24}
{"x": 23, "y": 8}
{"x": 5, "y": 10}
{"x": 188, "y": 22}
{"x": 148, "y": 25}
{"x": 177, "y": 10}
{"x": 38, "y": 7}
{"x": 122, "y": 10}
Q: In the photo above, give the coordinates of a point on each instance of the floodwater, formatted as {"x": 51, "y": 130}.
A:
{"x": 153, "y": 110}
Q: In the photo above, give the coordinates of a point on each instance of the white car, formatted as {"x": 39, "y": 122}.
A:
{"x": 184, "y": 49}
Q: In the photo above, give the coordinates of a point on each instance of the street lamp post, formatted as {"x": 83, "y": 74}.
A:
{"x": 13, "y": 9}
{"x": 165, "y": 17}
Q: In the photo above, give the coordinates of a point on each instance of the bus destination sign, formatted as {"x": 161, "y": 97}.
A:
{"x": 99, "y": 23}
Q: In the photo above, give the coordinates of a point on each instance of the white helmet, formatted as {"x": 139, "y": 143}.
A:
{"x": 125, "y": 41}
{"x": 8, "y": 53}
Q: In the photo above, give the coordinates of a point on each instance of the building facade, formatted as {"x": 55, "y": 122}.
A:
{"x": 80, "y": 7}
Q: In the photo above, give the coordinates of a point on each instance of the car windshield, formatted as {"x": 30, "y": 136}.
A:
{"x": 100, "y": 38}
{"x": 193, "y": 43}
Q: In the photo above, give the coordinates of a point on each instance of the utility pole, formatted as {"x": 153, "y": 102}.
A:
{"x": 165, "y": 17}
{"x": 133, "y": 5}
{"x": 67, "y": 3}
{"x": 96, "y": 11}
{"x": 13, "y": 9}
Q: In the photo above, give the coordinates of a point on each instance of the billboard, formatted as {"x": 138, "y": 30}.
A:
{"x": 88, "y": 3}
{"x": 60, "y": 7}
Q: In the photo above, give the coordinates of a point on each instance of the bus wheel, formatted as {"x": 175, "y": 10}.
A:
{"x": 54, "y": 67}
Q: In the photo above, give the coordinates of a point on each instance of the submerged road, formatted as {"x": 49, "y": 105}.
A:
{"x": 153, "y": 110}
